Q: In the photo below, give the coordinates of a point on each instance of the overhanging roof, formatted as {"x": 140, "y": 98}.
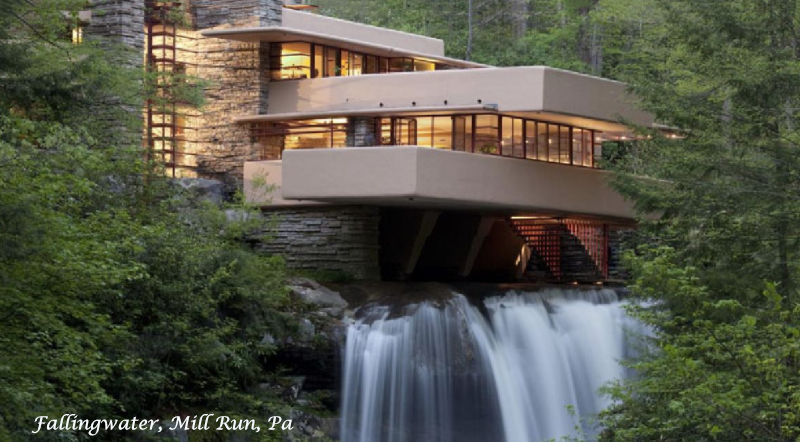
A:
{"x": 381, "y": 111}
{"x": 281, "y": 34}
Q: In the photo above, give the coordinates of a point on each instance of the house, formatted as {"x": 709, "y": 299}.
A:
{"x": 382, "y": 157}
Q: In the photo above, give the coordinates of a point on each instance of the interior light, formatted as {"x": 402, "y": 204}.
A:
{"x": 77, "y": 35}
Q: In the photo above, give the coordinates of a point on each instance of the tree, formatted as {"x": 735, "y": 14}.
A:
{"x": 120, "y": 293}
{"x": 721, "y": 287}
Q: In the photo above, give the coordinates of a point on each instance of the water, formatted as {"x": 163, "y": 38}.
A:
{"x": 524, "y": 370}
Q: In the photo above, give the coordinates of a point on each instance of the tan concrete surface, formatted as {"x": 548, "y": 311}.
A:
{"x": 594, "y": 102}
{"x": 263, "y": 181}
{"x": 306, "y": 21}
{"x": 442, "y": 179}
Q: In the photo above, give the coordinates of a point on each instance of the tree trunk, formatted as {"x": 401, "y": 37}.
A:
{"x": 470, "y": 19}
{"x": 519, "y": 17}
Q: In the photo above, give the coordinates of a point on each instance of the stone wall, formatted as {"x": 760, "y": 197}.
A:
{"x": 361, "y": 132}
{"x": 236, "y": 76}
{"x": 213, "y": 13}
{"x": 119, "y": 27}
{"x": 340, "y": 239}
{"x": 119, "y": 22}
{"x": 619, "y": 240}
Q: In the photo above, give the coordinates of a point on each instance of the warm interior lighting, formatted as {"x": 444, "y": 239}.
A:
{"x": 295, "y": 60}
{"x": 327, "y": 121}
{"x": 529, "y": 217}
{"x": 77, "y": 35}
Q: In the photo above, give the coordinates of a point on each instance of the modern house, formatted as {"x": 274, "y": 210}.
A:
{"x": 382, "y": 157}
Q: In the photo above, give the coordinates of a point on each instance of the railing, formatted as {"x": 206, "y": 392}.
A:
{"x": 567, "y": 249}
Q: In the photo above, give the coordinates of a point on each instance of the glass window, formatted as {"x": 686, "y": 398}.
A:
{"x": 486, "y": 134}
{"x": 371, "y": 64}
{"x": 357, "y": 64}
{"x": 319, "y": 61}
{"x": 566, "y": 142}
{"x": 519, "y": 142}
{"x": 401, "y": 65}
{"x": 468, "y": 134}
{"x": 345, "y": 63}
{"x": 598, "y": 150}
{"x": 383, "y": 65}
{"x": 421, "y": 66}
{"x": 405, "y": 132}
{"x": 314, "y": 134}
{"x": 290, "y": 61}
{"x": 507, "y": 143}
{"x": 542, "y": 142}
{"x": 331, "y": 62}
{"x": 385, "y": 131}
{"x": 530, "y": 140}
{"x": 425, "y": 131}
{"x": 587, "y": 148}
{"x": 553, "y": 143}
{"x": 462, "y": 133}
{"x": 577, "y": 147}
{"x": 442, "y": 132}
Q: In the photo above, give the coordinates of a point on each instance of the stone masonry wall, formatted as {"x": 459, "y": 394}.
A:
{"x": 620, "y": 240}
{"x": 361, "y": 132}
{"x": 119, "y": 22}
{"x": 342, "y": 239}
{"x": 237, "y": 75}
{"x": 119, "y": 26}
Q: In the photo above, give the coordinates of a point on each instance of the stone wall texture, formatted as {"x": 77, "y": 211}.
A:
{"x": 340, "y": 239}
{"x": 236, "y": 76}
{"x": 620, "y": 240}
{"x": 119, "y": 27}
{"x": 119, "y": 22}
{"x": 361, "y": 132}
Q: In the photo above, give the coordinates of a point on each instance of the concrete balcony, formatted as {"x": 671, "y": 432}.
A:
{"x": 534, "y": 92}
{"x": 417, "y": 177}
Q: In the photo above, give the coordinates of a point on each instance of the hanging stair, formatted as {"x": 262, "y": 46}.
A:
{"x": 565, "y": 250}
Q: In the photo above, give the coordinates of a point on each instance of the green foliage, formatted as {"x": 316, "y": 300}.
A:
{"x": 717, "y": 369}
{"x": 722, "y": 287}
{"x": 549, "y": 32}
{"x": 121, "y": 294}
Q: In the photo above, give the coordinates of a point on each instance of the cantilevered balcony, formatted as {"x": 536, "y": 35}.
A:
{"x": 410, "y": 176}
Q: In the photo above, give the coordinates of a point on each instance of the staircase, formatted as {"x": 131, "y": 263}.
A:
{"x": 565, "y": 250}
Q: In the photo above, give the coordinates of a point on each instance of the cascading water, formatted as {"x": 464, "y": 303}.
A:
{"x": 526, "y": 370}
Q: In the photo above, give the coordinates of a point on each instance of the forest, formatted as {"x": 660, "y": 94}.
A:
{"x": 120, "y": 295}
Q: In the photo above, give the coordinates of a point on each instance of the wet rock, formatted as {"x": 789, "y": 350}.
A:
{"x": 210, "y": 190}
{"x": 306, "y": 331}
{"x": 329, "y": 301}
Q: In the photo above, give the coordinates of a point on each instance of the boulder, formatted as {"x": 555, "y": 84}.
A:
{"x": 312, "y": 292}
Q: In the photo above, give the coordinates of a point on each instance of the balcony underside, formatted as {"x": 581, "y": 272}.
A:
{"x": 403, "y": 176}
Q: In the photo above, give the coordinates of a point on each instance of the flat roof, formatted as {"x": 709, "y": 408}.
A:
{"x": 379, "y": 111}
{"x": 281, "y": 34}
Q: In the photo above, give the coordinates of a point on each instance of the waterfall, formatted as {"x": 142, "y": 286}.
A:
{"x": 520, "y": 367}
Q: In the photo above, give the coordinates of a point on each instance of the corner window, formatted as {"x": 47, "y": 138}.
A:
{"x": 290, "y": 61}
